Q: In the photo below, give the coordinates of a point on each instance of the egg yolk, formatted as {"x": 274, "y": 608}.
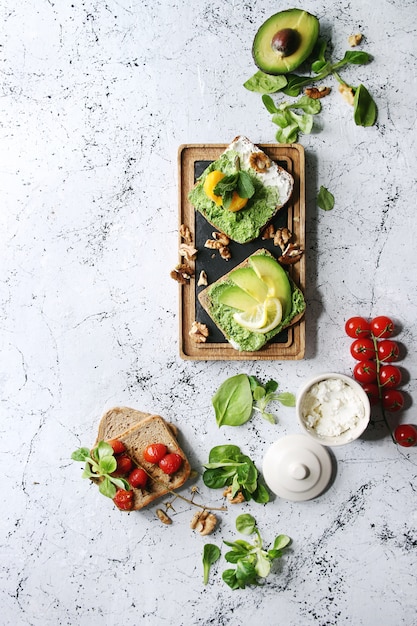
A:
{"x": 211, "y": 181}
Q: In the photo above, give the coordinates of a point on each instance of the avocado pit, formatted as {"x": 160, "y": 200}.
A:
{"x": 285, "y": 42}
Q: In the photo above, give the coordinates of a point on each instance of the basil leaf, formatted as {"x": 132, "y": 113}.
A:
{"x": 294, "y": 84}
{"x": 215, "y": 479}
{"x": 261, "y": 494}
{"x": 357, "y": 57}
{"x": 325, "y": 199}
{"x": 227, "y": 183}
{"x": 245, "y": 524}
{"x": 364, "y": 107}
{"x": 103, "y": 449}
{"x": 220, "y": 453}
{"x": 271, "y": 386}
{"x": 286, "y": 398}
{"x": 82, "y": 454}
{"x": 281, "y": 542}
{"x": 269, "y": 104}
{"x": 233, "y": 401}
{"x": 107, "y": 464}
{"x": 245, "y": 187}
{"x": 211, "y": 553}
{"x": 107, "y": 488}
{"x": 229, "y": 578}
{"x": 265, "y": 83}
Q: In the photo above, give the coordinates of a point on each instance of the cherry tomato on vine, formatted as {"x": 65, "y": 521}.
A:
{"x": 118, "y": 446}
{"x": 389, "y": 376}
{"x": 388, "y": 351}
{"x": 123, "y": 500}
{"x": 365, "y": 371}
{"x": 406, "y": 435}
{"x": 124, "y": 465}
{"x": 393, "y": 400}
{"x": 356, "y": 327}
{"x": 382, "y": 326}
{"x": 154, "y": 452}
{"x": 372, "y": 391}
{"x": 363, "y": 349}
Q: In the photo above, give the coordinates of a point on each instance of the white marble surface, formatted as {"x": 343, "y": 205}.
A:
{"x": 96, "y": 99}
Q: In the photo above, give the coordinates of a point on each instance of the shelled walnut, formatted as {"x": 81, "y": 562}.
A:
{"x": 204, "y": 522}
{"x": 282, "y": 237}
{"x": 354, "y": 40}
{"x": 317, "y": 92}
{"x": 198, "y": 332}
{"x": 237, "y": 499}
{"x": 185, "y": 233}
{"x": 182, "y": 273}
{"x": 291, "y": 254}
{"x": 268, "y": 232}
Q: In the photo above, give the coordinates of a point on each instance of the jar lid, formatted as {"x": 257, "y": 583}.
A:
{"x": 297, "y": 468}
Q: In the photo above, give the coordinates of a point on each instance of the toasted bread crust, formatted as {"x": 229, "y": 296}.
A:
{"x": 142, "y": 429}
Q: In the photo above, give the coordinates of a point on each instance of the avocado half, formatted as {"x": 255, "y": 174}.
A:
{"x": 285, "y": 40}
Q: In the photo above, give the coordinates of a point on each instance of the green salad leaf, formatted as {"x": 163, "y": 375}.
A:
{"x": 253, "y": 562}
{"x": 211, "y": 554}
{"x": 238, "y": 397}
{"x": 325, "y": 199}
{"x": 227, "y": 466}
{"x": 100, "y": 463}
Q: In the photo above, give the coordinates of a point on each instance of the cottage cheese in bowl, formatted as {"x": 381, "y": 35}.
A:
{"x": 333, "y": 409}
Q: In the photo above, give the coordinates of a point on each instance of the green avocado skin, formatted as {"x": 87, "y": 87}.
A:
{"x": 246, "y": 224}
{"x": 241, "y": 338}
{"x": 269, "y": 60}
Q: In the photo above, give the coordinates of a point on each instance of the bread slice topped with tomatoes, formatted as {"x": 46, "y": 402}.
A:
{"x": 149, "y": 460}
{"x": 240, "y": 192}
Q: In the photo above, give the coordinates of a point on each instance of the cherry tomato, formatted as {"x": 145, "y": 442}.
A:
{"x": 372, "y": 391}
{"x": 389, "y": 376}
{"x": 171, "y": 463}
{"x": 155, "y": 452}
{"x": 382, "y": 327}
{"x": 388, "y": 351}
{"x": 118, "y": 446}
{"x": 392, "y": 400}
{"x": 138, "y": 478}
{"x": 363, "y": 349}
{"x": 357, "y": 327}
{"x": 123, "y": 500}
{"x": 406, "y": 435}
{"x": 124, "y": 465}
{"x": 365, "y": 371}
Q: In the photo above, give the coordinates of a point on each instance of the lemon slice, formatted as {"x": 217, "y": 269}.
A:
{"x": 253, "y": 319}
{"x": 262, "y": 318}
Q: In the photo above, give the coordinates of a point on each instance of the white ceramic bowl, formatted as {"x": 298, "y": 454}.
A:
{"x": 359, "y": 406}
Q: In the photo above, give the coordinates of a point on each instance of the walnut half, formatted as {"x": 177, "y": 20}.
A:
{"x": 198, "y": 332}
{"x": 237, "y": 499}
{"x": 182, "y": 273}
{"x": 317, "y": 92}
{"x": 204, "y": 522}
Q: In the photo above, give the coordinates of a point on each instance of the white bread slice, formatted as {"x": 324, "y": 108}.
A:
{"x": 146, "y": 429}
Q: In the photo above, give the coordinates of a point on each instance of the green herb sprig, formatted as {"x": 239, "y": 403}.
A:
{"x": 289, "y": 122}
{"x": 364, "y": 107}
{"x": 228, "y": 467}
{"x": 253, "y": 563}
{"x": 100, "y": 463}
{"x": 239, "y": 396}
{"x": 240, "y": 182}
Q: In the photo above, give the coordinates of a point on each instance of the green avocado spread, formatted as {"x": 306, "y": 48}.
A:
{"x": 246, "y": 224}
{"x": 241, "y": 338}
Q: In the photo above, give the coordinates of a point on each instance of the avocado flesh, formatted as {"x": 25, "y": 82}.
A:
{"x": 237, "y": 298}
{"x": 271, "y": 273}
{"x": 272, "y": 62}
{"x": 247, "y": 279}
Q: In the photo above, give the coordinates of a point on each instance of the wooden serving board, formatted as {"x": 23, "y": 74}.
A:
{"x": 290, "y": 344}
